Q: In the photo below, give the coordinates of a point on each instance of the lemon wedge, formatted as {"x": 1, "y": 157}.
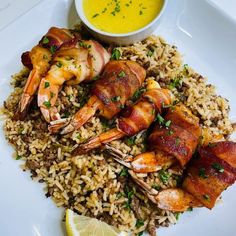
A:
{"x": 77, "y": 225}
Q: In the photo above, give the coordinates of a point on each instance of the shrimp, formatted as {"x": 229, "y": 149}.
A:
{"x": 72, "y": 65}
{"x": 38, "y": 61}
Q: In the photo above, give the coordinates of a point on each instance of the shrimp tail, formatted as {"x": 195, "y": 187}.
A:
{"x": 96, "y": 142}
{"x": 23, "y": 107}
{"x": 56, "y": 125}
{"x": 50, "y": 114}
{"x": 83, "y": 115}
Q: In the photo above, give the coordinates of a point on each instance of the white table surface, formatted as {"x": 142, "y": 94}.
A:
{"x": 229, "y": 6}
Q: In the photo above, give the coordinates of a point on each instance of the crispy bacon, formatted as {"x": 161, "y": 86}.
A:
{"x": 55, "y": 37}
{"x": 175, "y": 141}
{"x": 180, "y": 138}
{"x": 141, "y": 115}
{"x": 210, "y": 174}
{"x": 180, "y": 115}
{"x": 119, "y": 81}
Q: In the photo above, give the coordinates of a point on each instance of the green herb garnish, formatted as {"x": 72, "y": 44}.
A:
{"x": 116, "y": 99}
{"x": 175, "y": 83}
{"x": 164, "y": 176}
{"x": 124, "y": 172}
{"x": 202, "y": 173}
{"x": 45, "y": 40}
{"x": 177, "y": 141}
{"x": 177, "y": 215}
{"x": 131, "y": 140}
{"x": 160, "y": 119}
{"x": 156, "y": 186}
{"x": 59, "y": 64}
{"x": 47, "y": 104}
{"x": 95, "y": 15}
{"x": 53, "y": 49}
{"x": 139, "y": 223}
{"x": 18, "y": 157}
{"x": 150, "y": 53}
{"x": 206, "y": 197}
{"x": 115, "y": 54}
{"x": 121, "y": 74}
{"x": 218, "y": 167}
{"x": 46, "y": 84}
{"x": 138, "y": 93}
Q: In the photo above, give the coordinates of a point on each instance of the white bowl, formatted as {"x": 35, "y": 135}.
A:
{"x": 119, "y": 39}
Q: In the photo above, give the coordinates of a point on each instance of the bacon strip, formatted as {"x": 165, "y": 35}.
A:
{"x": 56, "y": 38}
{"x": 118, "y": 83}
{"x": 175, "y": 141}
{"x": 141, "y": 115}
{"x": 180, "y": 115}
{"x": 213, "y": 172}
{"x": 180, "y": 139}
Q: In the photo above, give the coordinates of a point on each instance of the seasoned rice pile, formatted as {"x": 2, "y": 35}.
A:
{"x": 95, "y": 185}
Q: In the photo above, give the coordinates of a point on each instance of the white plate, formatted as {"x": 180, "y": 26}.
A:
{"x": 204, "y": 35}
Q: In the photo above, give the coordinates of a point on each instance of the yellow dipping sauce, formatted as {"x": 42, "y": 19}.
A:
{"x": 121, "y": 16}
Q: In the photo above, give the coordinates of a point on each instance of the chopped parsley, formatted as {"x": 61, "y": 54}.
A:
{"x": 129, "y": 194}
{"x": 18, "y": 157}
{"x": 156, "y": 186}
{"x": 138, "y": 93}
{"x": 116, "y": 99}
{"x": 53, "y": 49}
{"x": 121, "y": 74}
{"x": 59, "y": 64}
{"x": 177, "y": 215}
{"x": 164, "y": 176}
{"x": 95, "y": 15}
{"x": 160, "y": 119}
{"x": 51, "y": 94}
{"x": 190, "y": 209}
{"x": 150, "y": 53}
{"x": 140, "y": 233}
{"x": 170, "y": 132}
{"x": 139, "y": 223}
{"x": 95, "y": 78}
{"x": 168, "y": 122}
{"x": 177, "y": 141}
{"x": 212, "y": 144}
{"x": 140, "y": 12}
{"x": 177, "y": 82}
{"x": 121, "y": 106}
{"x": 202, "y": 173}
{"x": 124, "y": 172}
{"x": 46, "y": 84}
{"x": 130, "y": 141}
{"x": 206, "y": 197}
{"x": 84, "y": 45}
{"x": 45, "y": 40}
{"x": 218, "y": 167}
{"x": 47, "y": 104}
{"x": 115, "y": 54}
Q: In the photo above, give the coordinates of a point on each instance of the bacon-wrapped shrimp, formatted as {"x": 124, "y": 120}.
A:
{"x": 212, "y": 172}
{"x": 38, "y": 61}
{"x": 135, "y": 118}
{"x": 168, "y": 145}
{"x": 118, "y": 83}
{"x": 71, "y": 64}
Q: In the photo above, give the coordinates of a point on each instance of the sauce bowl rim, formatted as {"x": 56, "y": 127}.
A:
{"x": 83, "y": 18}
